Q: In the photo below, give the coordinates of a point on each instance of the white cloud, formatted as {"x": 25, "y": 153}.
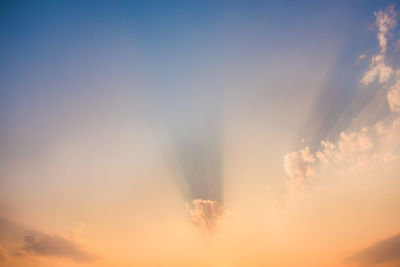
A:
{"x": 385, "y": 20}
{"x": 298, "y": 165}
{"x": 354, "y": 151}
{"x": 354, "y": 142}
{"x": 327, "y": 152}
{"x": 379, "y": 69}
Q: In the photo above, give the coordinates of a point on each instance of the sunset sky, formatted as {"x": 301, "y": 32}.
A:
{"x": 200, "y": 133}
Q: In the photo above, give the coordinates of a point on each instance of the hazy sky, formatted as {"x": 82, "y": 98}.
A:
{"x": 199, "y": 133}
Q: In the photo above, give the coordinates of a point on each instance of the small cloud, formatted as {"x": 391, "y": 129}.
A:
{"x": 379, "y": 69}
{"x": 206, "y": 214}
{"x": 3, "y": 254}
{"x": 298, "y": 165}
{"x": 384, "y": 251}
{"x": 57, "y": 246}
{"x": 385, "y": 20}
{"x": 361, "y": 57}
{"x": 393, "y": 97}
{"x": 380, "y": 128}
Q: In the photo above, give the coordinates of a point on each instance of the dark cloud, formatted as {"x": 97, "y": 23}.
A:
{"x": 384, "y": 251}
{"x": 55, "y": 245}
{"x": 25, "y": 242}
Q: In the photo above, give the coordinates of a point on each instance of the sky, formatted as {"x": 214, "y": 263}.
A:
{"x": 199, "y": 133}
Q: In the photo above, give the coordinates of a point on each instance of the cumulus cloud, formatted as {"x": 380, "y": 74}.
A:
{"x": 377, "y": 68}
{"x": 384, "y": 251}
{"x": 385, "y": 21}
{"x": 355, "y": 150}
{"x": 206, "y": 214}
{"x": 327, "y": 152}
{"x": 349, "y": 145}
{"x": 298, "y": 165}
{"x": 354, "y": 142}
{"x": 57, "y": 246}
{"x": 393, "y": 97}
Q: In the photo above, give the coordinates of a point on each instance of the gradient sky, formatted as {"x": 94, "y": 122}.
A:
{"x": 199, "y": 133}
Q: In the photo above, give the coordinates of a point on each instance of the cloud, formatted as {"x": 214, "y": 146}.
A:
{"x": 298, "y": 165}
{"x": 361, "y": 57}
{"x": 349, "y": 145}
{"x": 206, "y": 214}
{"x": 326, "y": 152}
{"x": 23, "y": 242}
{"x": 384, "y": 251}
{"x": 355, "y": 150}
{"x": 393, "y": 97}
{"x": 57, "y": 246}
{"x": 354, "y": 142}
{"x": 385, "y": 20}
{"x": 3, "y": 254}
{"x": 379, "y": 69}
